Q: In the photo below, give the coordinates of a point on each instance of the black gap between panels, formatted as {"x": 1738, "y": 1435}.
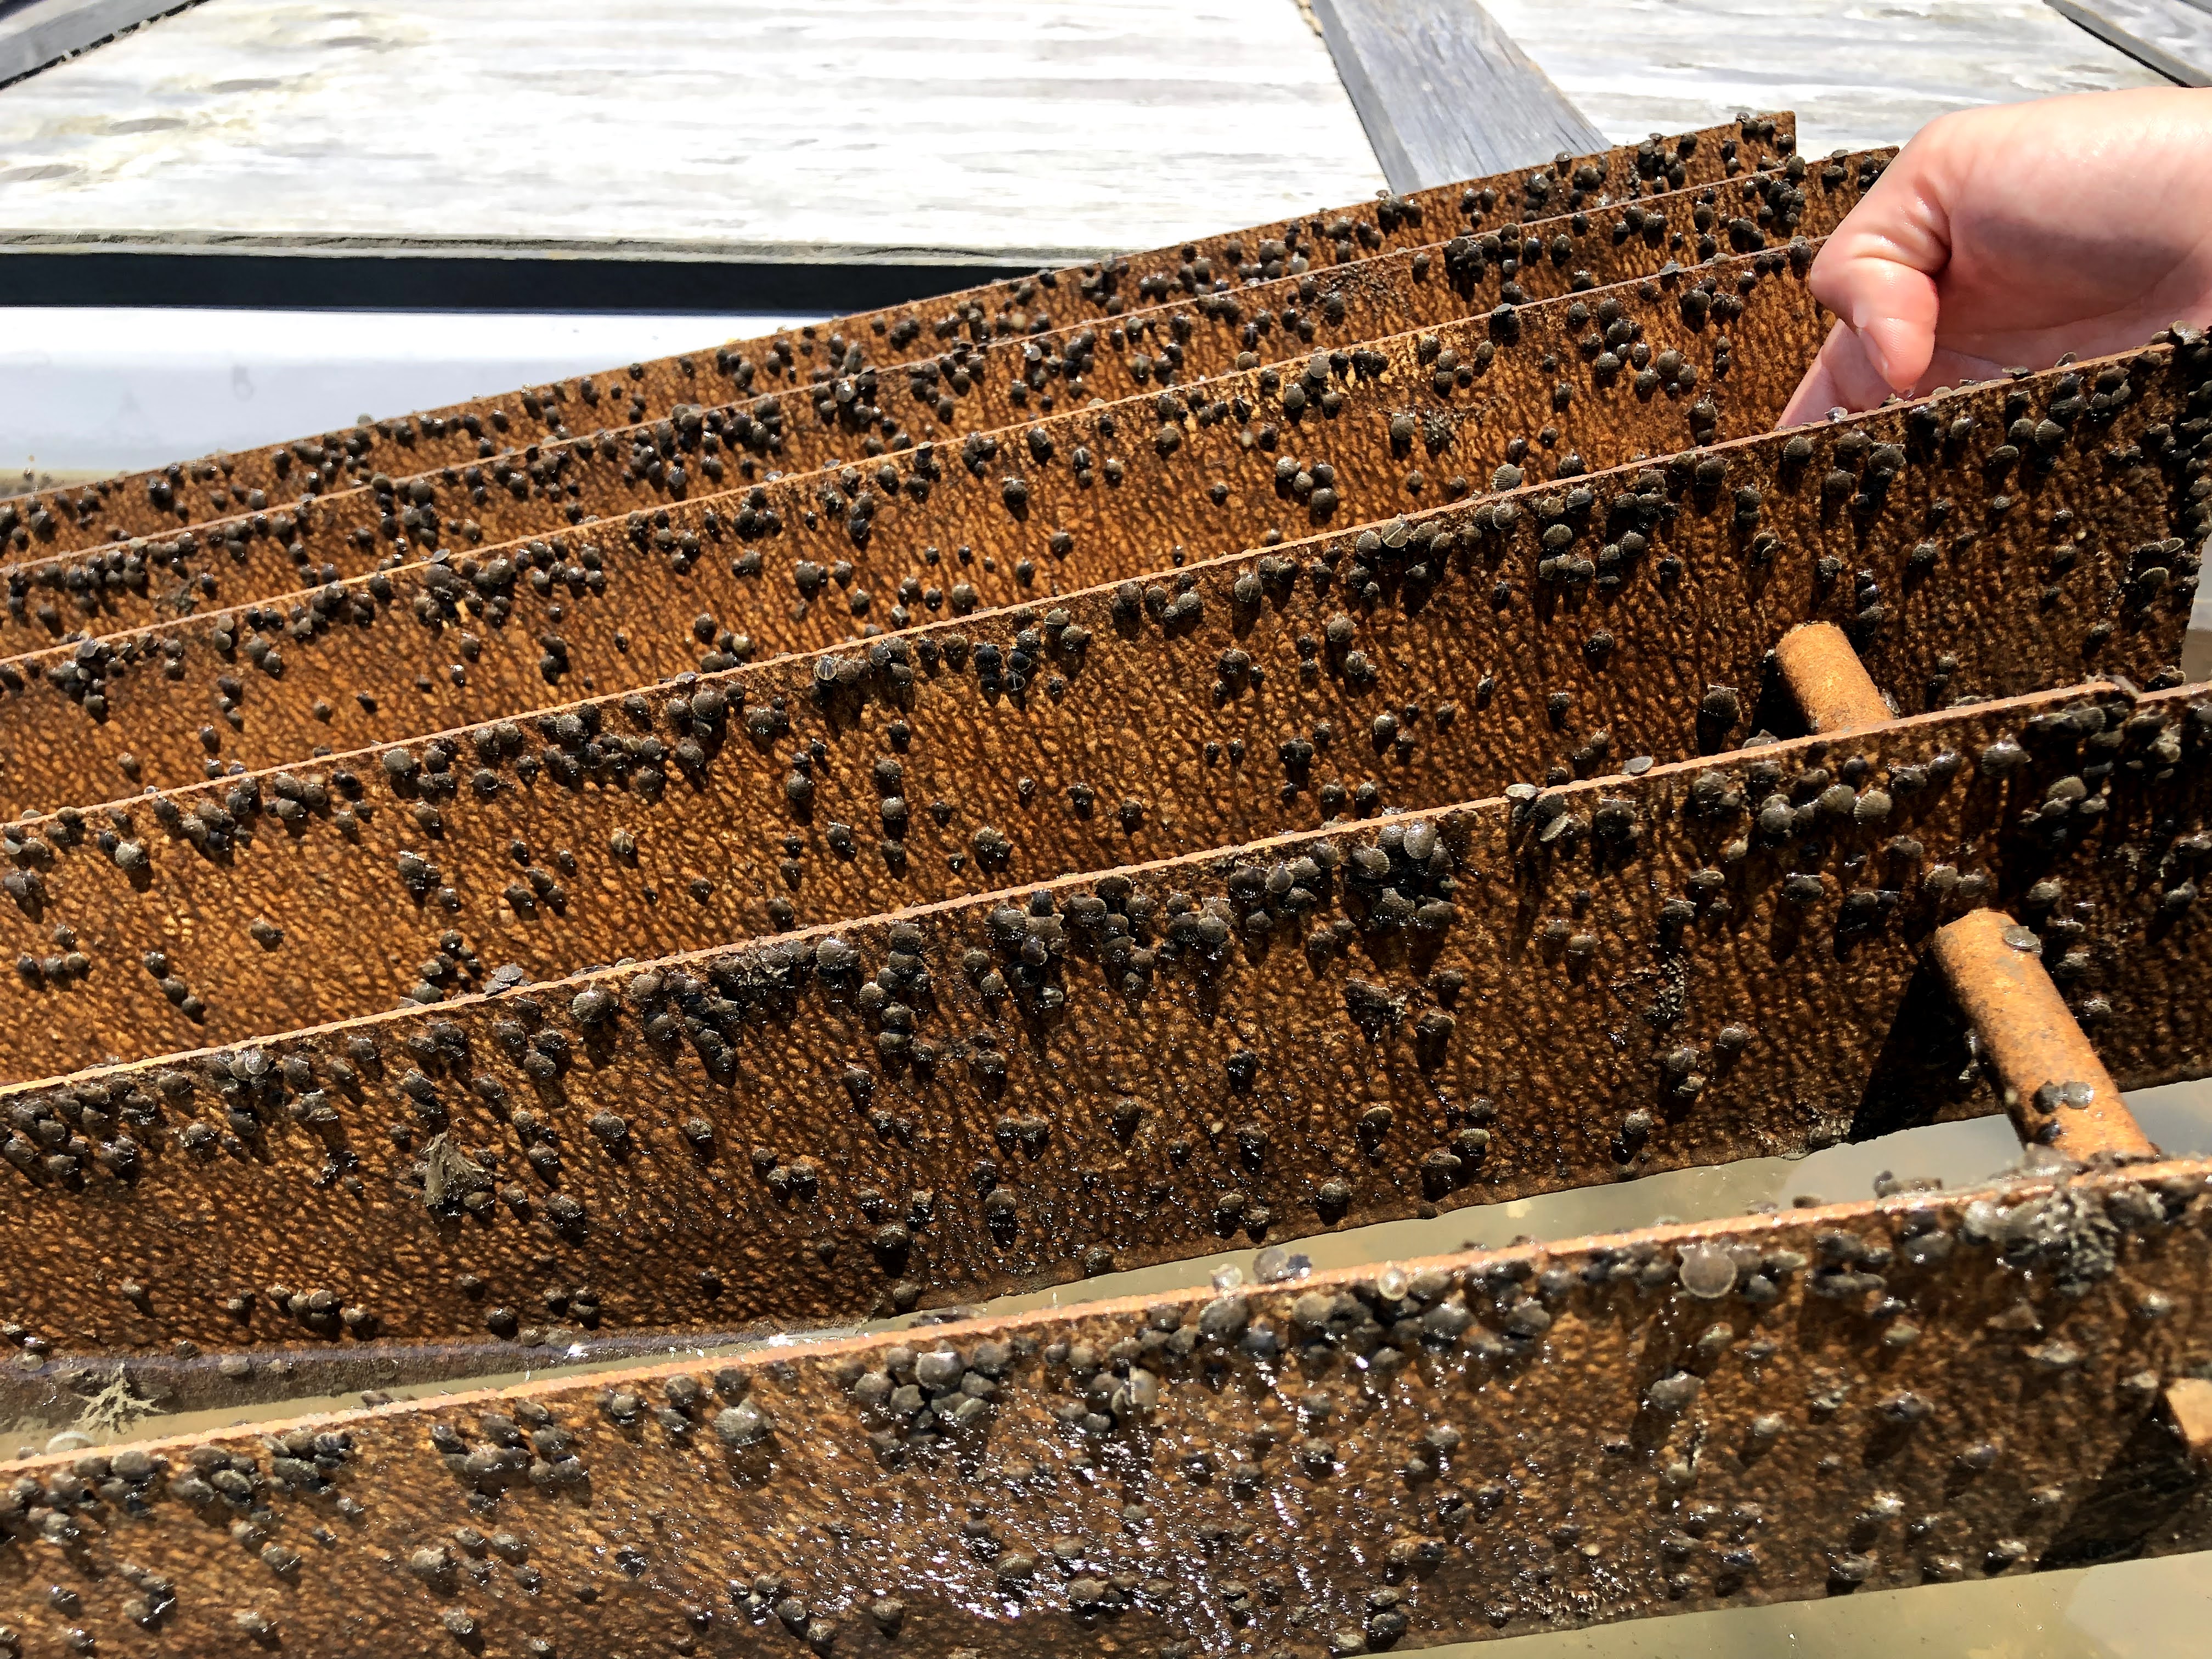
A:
{"x": 418, "y": 283}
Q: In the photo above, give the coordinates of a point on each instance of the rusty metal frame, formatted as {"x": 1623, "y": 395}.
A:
{"x": 1692, "y": 965}
{"x": 1128, "y": 753}
{"x": 513, "y": 492}
{"x": 1926, "y": 1389}
{"x": 799, "y": 1098}
{"x": 163, "y": 499}
{"x": 1214, "y": 469}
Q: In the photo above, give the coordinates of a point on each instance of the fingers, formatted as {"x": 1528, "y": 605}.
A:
{"x": 1817, "y": 393}
{"x": 2069, "y": 224}
{"x": 1844, "y": 375}
{"x": 1877, "y": 272}
{"x": 1950, "y": 368}
{"x": 1891, "y": 307}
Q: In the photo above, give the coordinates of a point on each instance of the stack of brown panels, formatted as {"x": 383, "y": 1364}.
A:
{"x": 1327, "y": 724}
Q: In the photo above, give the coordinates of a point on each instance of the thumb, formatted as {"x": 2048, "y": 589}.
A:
{"x": 1843, "y": 376}
{"x": 1877, "y": 271}
{"x": 1891, "y": 308}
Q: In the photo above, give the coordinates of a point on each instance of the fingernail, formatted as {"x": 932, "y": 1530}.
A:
{"x": 1877, "y": 359}
{"x": 1871, "y": 348}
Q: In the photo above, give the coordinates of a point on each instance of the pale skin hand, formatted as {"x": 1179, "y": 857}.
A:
{"x": 2013, "y": 234}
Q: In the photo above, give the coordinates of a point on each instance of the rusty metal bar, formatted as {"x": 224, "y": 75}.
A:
{"x": 2188, "y": 1403}
{"x": 1919, "y": 1390}
{"x": 1833, "y": 689}
{"x": 1565, "y": 986}
{"x": 2058, "y": 1092}
{"x": 1083, "y": 497}
{"x": 942, "y": 400}
{"x": 1127, "y": 751}
{"x": 161, "y": 500}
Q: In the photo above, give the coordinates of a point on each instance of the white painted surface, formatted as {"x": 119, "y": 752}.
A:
{"x": 113, "y": 390}
{"x": 2197, "y": 649}
{"x": 1027, "y": 127}
{"x": 1859, "y": 73}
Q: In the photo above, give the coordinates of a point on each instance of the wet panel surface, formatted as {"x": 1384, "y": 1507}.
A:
{"x": 1704, "y": 962}
{"x": 1930, "y": 1388}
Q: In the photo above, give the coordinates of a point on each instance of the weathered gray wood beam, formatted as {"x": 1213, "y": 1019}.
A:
{"x": 2174, "y": 37}
{"x": 36, "y": 34}
{"x": 1444, "y": 92}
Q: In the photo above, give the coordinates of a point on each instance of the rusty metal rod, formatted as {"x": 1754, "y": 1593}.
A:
{"x": 2057, "y": 1089}
{"x": 1831, "y": 685}
{"x": 2187, "y": 1402}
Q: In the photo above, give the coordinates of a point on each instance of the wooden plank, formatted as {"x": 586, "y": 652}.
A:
{"x": 1857, "y": 75}
{"x": 2171, "y": 37}
{"x": 35, "y": 35}
{"x": 1444, "y": 93}
{"x": 940, "y": 130}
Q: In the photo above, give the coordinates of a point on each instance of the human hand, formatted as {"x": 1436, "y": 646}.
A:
{"x": 2013, "y": 235}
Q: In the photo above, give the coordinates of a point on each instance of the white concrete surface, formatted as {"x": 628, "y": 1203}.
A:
{"x": 1019, "y": 128}
{"x": 113, "y": 390}
{"x": 1858, "y": 72}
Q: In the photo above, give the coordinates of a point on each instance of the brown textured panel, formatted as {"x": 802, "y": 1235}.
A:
{"x": 161, "y": 499}
{"x": 1081, "y": 498}
{"x": 349, "y": 532}
{"x": 1007, "y": 384}
{"x": 300, "y": 913}
{"x": 1619, "y": 976}
{"x": 1928, "y": 1388}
